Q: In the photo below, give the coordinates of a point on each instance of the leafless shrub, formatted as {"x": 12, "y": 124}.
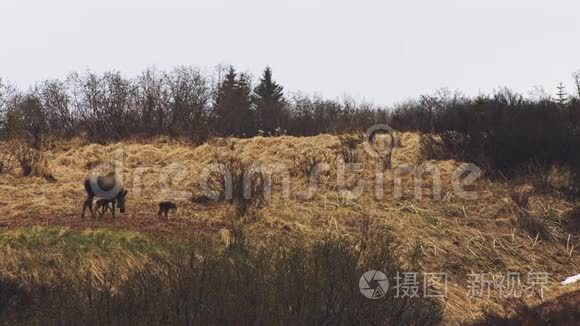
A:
{"x": 184, "y": 288}
{"x": 572, "y": 221}
{"x": 233, "y": 236}
{"x": 244, "y": 186}
{"x": 31, "y": 161}
{"x": 521, "y": 197}
{"x": 535, "y": 226}
{"x": 576, "y": 76}
{"x": 6, "y": 159}
{"x": 383, "y": 144}
{"x": 188, "y": 97}
{"x": 56, "y": 104}
{"x": 442, "y": 146}
{"x": 347, "y": 150}
{"x": 305, "y": 164}
{"x": 105, "y": 104}
{"x": 539, "y": 175}
{"x": 200, "y": 199}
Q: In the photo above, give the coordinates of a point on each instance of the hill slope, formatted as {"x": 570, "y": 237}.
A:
{"x": 496, "y": 233}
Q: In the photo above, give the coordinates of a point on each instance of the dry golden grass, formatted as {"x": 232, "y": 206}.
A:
{"x": 452, "y": 234}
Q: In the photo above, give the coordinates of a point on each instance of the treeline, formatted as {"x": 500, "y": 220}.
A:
{"x": 502, "y": 131}
{"x": 182, "y": 102}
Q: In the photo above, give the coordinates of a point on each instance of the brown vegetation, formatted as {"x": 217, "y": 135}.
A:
{"x": 562, "y": 310}
{"x": 452, "y": 234}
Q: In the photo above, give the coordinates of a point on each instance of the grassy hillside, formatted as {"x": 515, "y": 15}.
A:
{"x": 515, "y": 226}
{"x": 56, "y": 276}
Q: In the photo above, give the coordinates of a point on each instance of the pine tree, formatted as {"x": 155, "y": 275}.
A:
{"x": 245, "y": 118}
{"x": 561, "y": 95}
{"x": 231, "y": 112}
{"x": 268, "y": 99}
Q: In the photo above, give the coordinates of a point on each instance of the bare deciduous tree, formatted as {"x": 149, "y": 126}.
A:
{"x": 189, "y": 96}
{"x": 576, "y": 76}
{"x": 7, "y": 93}
{"x": 152, "y": 98}
{"x": 56, "y": 101}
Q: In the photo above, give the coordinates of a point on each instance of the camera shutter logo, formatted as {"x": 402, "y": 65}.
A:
{"x": 373, "y": 284}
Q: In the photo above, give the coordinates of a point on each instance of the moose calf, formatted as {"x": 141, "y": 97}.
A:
{"x": 103, "y": 205}
{"x": 164, "y": 208}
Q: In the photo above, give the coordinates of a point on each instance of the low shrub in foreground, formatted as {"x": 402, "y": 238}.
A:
{"x": 562, "y": 310}
{"x": 271, "y": 284}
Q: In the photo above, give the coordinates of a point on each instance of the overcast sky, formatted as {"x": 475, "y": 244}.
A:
{"x": 381, "y": 51}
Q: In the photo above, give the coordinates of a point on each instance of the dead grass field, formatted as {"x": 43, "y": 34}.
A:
{"x": 451, "y": 235}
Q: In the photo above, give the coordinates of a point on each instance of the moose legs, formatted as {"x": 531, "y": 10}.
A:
{"x": 162, "y": 213}
{"x": 88, "y": 203}
{"x": 104, "y": 205}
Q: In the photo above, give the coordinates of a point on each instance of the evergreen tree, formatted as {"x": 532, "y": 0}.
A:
{"x": 561, "y": 95}
{"x": 268, "y": 99}
{"x": 232, "y": 107}
{"x": 246, "y": 117}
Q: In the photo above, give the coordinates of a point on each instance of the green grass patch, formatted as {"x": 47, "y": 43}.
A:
{"x": 66, "y": 240}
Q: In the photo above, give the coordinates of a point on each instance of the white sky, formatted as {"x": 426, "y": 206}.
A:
{"x": 381, "y": 51}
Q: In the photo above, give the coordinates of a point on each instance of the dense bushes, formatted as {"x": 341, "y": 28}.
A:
{"x": 503, "y": 133}
{"x": 279, "y": 283}
{"x": 562, "y": 310}
{"x": 245, "y": 186}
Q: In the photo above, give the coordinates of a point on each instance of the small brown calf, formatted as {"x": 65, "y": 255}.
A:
{"x": 104, "y": 205}
{"x": 164, "y": 208}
